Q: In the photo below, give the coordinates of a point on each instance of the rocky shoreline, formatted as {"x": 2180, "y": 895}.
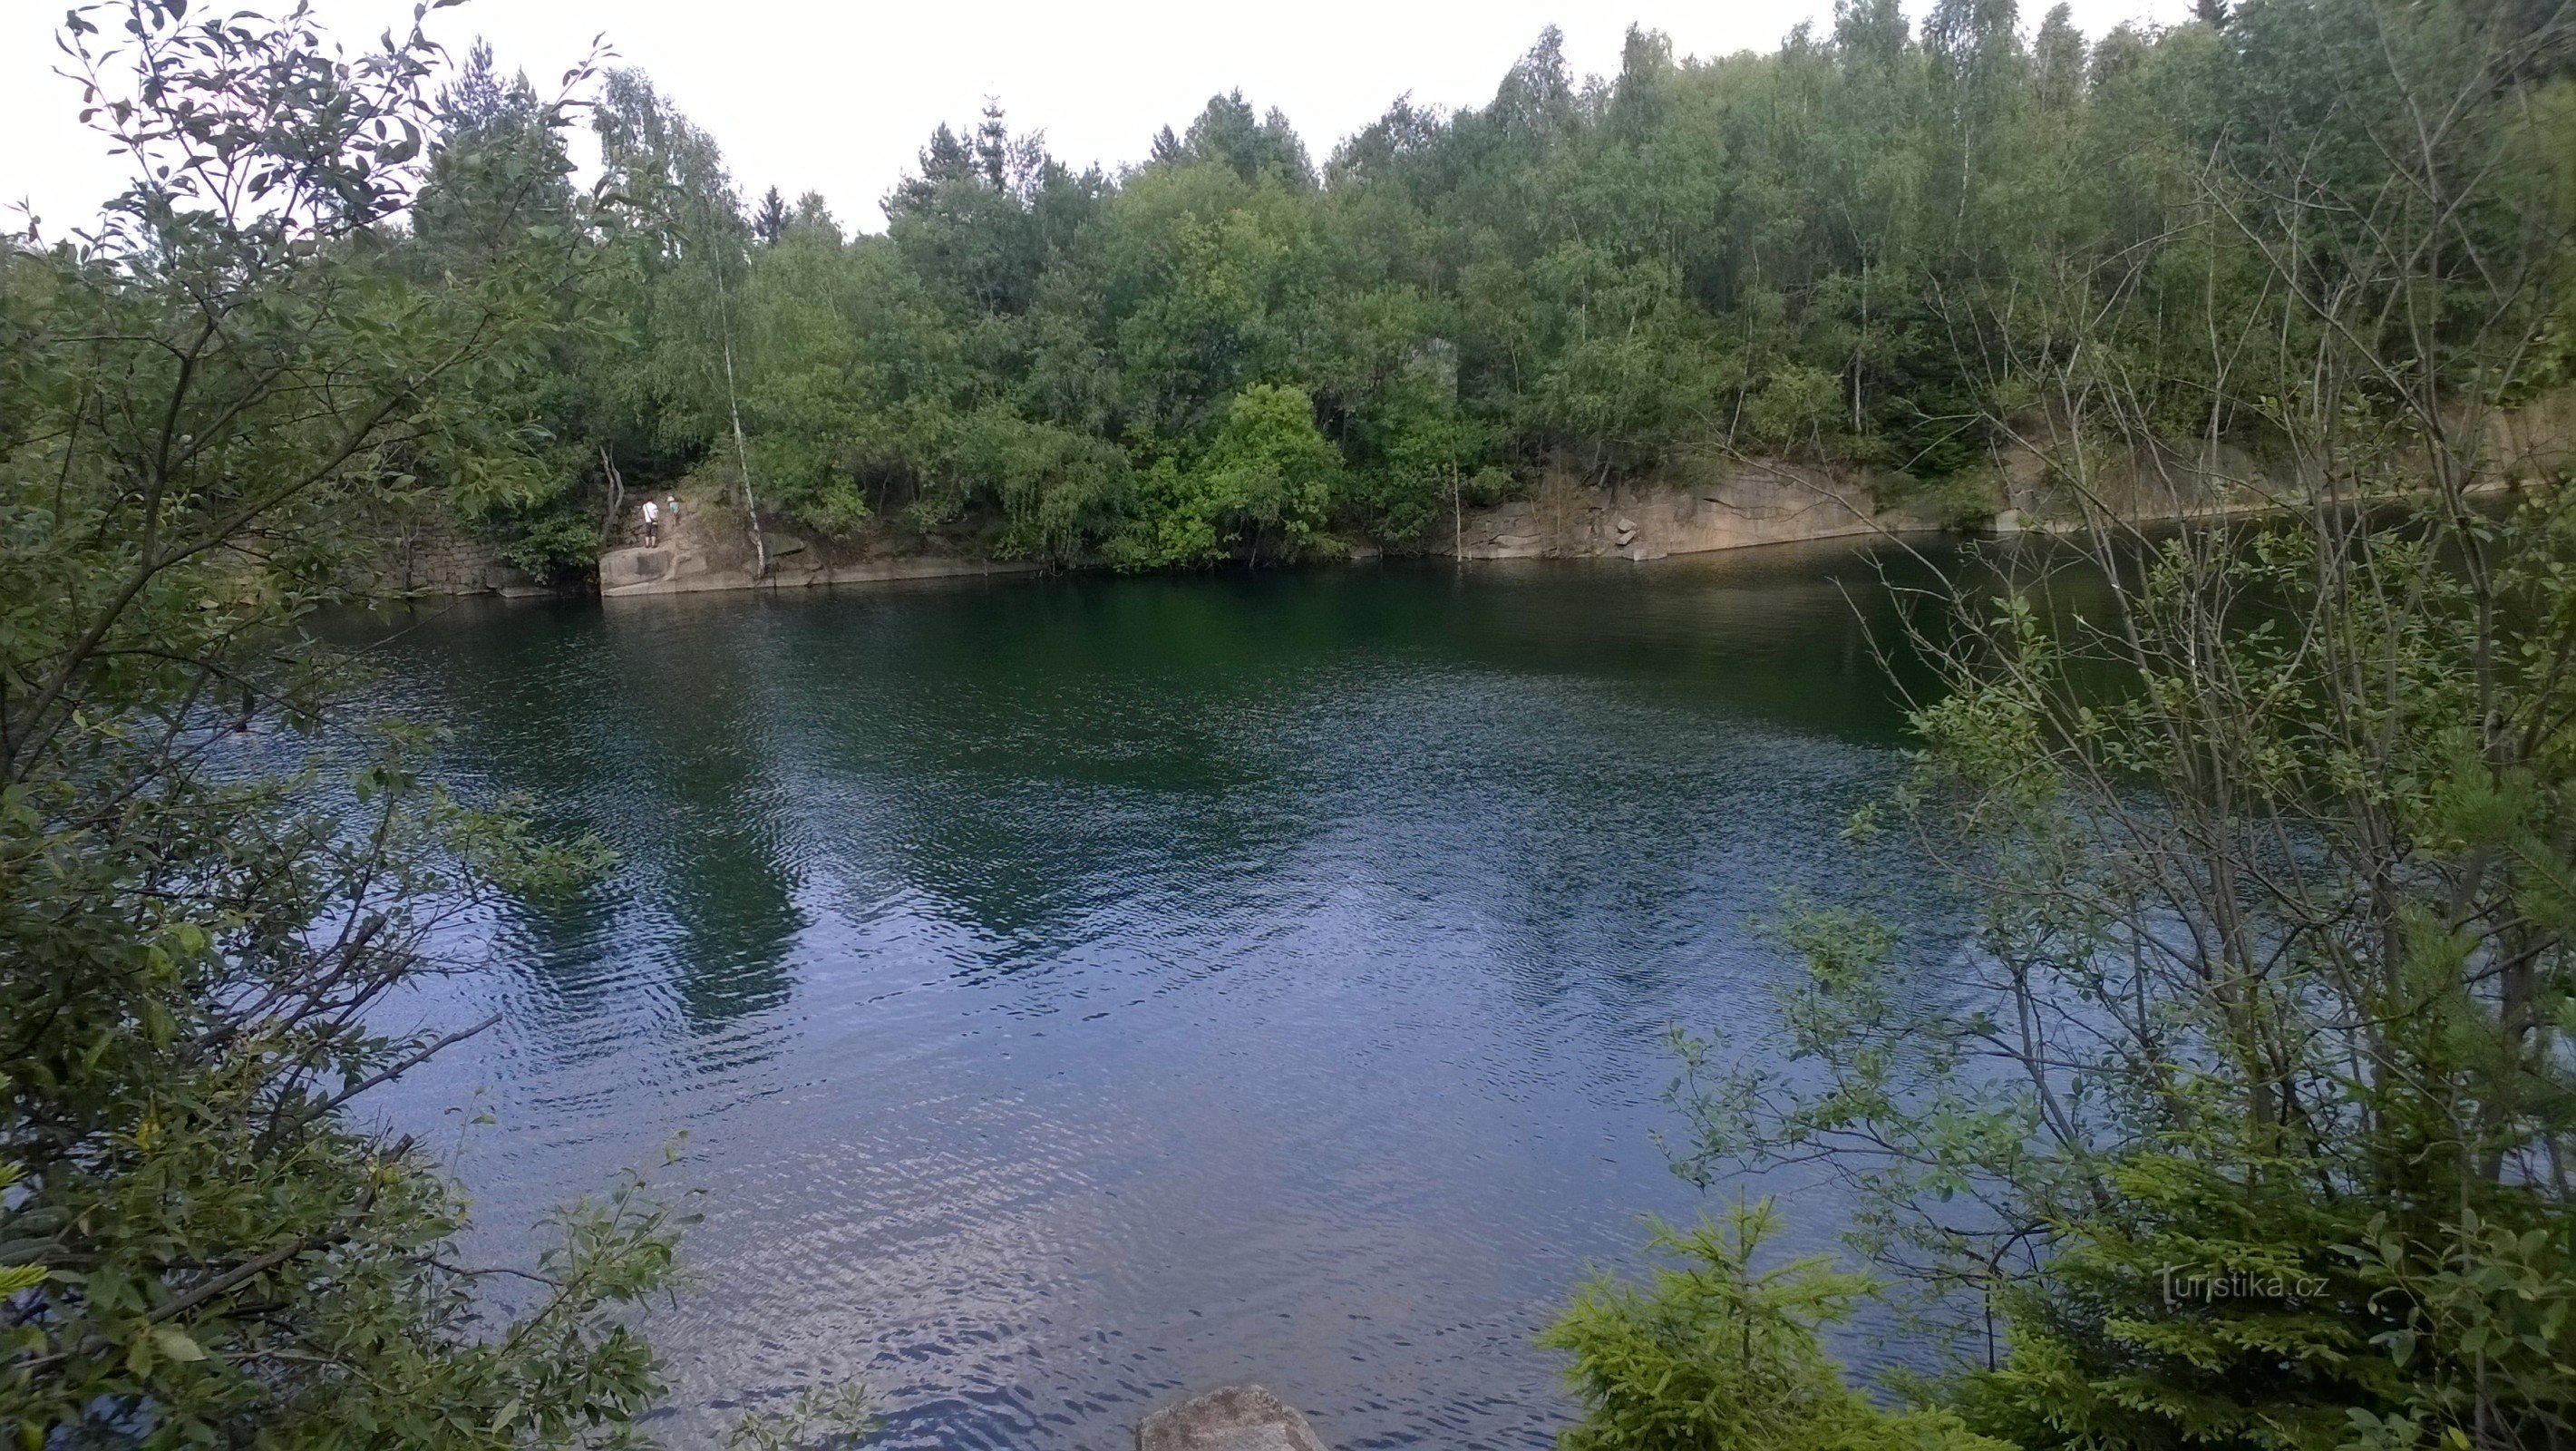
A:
{"x": 1562, "y": 519}
{"x": 1743, "y": 504}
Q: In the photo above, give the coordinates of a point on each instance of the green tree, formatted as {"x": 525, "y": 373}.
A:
{"x": 1263, "y": 485}
{"x": 498, "y": 178}
{"x": 1713, "y": 1354}
{"x": 769, "y": 223}
{"x": 679, "y": 231}
{"x": 851, "y": 377}
{"x": 200, "y": 1243}
{"x": 2239, "y": 1120}
{"x": 1227, "y": 134}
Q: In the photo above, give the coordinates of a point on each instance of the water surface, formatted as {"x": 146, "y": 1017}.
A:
{"x": 1076, "y": 991}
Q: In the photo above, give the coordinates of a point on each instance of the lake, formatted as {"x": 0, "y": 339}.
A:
{"x": 1079, "y": 991}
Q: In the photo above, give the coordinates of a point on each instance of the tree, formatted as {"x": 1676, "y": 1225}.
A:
{"x": 682, "y": 231}
{"x": 1266, "y": 479}
{"x": 1870, "y": 33}
{"x": 985, "y": 219}
{"x": 498, "y": 174}
{"x": 1712, "y": 1354}
{"x": 199, "y": 1244}
{"x": 1536, "y": 98}
{"x": 769, "y": 223}
{"x": 814, "y": 215}
{"x": 1227, "y": 134}
{"x": 2241, "y": 1119}
{"x": 2058, "y": 58}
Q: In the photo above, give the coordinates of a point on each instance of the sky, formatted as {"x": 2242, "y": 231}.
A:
{"x": 837, "y": 96}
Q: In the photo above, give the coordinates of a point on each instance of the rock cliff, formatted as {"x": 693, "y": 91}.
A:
{"x": 1766, "y": 503}
{"x": 711, "y": 551}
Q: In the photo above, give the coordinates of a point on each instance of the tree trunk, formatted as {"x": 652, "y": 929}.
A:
{"x": 741, "y": 450}
{"x": 616, "y": 497}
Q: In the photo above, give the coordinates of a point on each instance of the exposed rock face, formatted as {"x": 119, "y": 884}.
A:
{"x": 707, "y": 551}
{"x": 1747, "y": 502}
{"x": 1752, "y": 504}
{"x": 426, "y": 555}
{"x": 1771, "y": 501}
{"x": 1237, "y": 1418}
{"x": 2535, "y": 438}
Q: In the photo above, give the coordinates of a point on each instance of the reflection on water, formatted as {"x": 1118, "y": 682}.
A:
{"x": 1077, "y": 991}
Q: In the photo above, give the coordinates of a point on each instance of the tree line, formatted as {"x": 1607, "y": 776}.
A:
{"x": 1838, "y": 251}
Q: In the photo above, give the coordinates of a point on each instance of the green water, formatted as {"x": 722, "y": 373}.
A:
{"x": 1079, "y": 990}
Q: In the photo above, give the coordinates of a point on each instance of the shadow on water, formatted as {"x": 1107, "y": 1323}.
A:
{"x": 1079, "y": 989}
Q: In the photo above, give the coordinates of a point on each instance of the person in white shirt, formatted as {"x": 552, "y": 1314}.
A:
{"x": 652, "y": 523}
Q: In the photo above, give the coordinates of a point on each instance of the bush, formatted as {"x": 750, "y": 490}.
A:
{"x": 1711, "y": 1353}
{"x": 1264, "y": 483}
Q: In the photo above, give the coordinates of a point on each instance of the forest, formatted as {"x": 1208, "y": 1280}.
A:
{"x": 1851, "y": 249}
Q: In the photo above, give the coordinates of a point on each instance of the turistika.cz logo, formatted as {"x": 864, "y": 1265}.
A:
{"x": 2185, "y": 1285}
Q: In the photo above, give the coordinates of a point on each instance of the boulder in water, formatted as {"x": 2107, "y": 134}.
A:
{"x": 1236, "y": 1418}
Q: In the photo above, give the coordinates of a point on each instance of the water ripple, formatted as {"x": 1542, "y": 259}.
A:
{"x": 1075, "y": 992}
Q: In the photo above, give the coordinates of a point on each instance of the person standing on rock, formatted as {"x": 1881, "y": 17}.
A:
{"x": 671, "y": 511}
{"x": 652, "y": 524}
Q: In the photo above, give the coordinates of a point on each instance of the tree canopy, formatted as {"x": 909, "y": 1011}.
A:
{"x": 1822, "y": 253}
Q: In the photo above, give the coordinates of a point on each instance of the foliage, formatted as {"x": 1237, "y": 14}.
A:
{"x": 2241, "y": 1117}
{"x": 201, "y": 902}
{"x": 1713, "y": 1353}
{"x": 824, "y": 1418}
{"x": 1849, "y": 251}
{"x": 495, "y": 203}
{"x": 1265, "y": 480}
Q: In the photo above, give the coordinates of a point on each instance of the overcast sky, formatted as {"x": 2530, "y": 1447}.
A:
{"x": 837, "y": 97}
